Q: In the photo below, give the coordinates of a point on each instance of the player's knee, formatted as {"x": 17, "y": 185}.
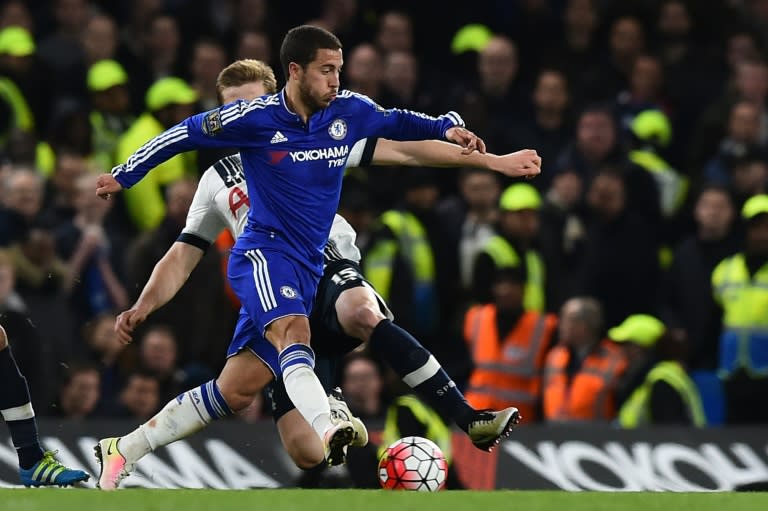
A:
{"x": 365, "y": 316}
{"x": 236, "y": 398}
{"x": 305, "y": 452}
{"x": 3, "y": 339}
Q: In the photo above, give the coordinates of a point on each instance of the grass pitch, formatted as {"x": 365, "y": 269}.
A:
{"x": 52, "y": 499}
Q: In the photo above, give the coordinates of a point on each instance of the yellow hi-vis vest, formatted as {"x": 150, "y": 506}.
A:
{"x": 504, "y": 255}
{"x": 435, "y": 429}
{"x": 411, "y": 241}
{"x": 636, "y": 411}
{"x": 22, "y": 115}
{"x": 145, "y": 201}
{"x": 744, "y": 299}
{"x": 673, "y": 187}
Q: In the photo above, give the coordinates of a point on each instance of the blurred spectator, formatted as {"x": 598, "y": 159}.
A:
{"x": 400, "y": 261}
{"x": 548, "y": 129}
{"x": 362, "y": 385}
{"x": 514, "y": 246}
{"x": 22, "y": 201}
{"x": 582, "y": 372}
{"x": 364, "y": 72}
{"x": 61, "y": 189}
{"x": 468, "y": 220}
{"x": 626, "y": 42}
{"x": 742, "y": 134}
{"x": 16, "y": 13}
{"x": 115, "y": 360}
{"x": 62, "y": 51}
{"x": 644, "y": 92}
{"x": 255, "y": 45}
{"x": 658, "y": 389}
{"x": 596, "y": 145}
{"x": 402, "y": 86}
{"x": 740, "y": 287}
{"x": 507, "y": 345}
{"x": 343, "y": 18}
{"x": 99, "y": 39}
{"x": 620, "y": 267}
{"x": 79, "y": 392}
{"x": 490, "y": 104}
{"x": 168, "y": 102}
{"x": 20, "y": 107}
{"x": 208, "y": 59}
{"x": 158, "y": 356}
{"x": 561, "y": 236}
{"x": 686, "y": 291}
{"x": 199, "y": 314}
{"x": 111, "y": 114}
{"x": 139, "y": 399}
{"x": 394, "y": 32}
{"x": 93, "y": 283}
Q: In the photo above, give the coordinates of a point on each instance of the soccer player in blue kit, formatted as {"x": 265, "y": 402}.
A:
{"x": 294, "y": 147}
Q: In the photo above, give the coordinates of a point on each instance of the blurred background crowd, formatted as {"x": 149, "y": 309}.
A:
{"x": 628, "y": 282}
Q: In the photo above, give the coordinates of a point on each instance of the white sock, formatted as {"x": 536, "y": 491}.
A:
{"x": 304, "y": 388}
{"x": 186, "y": 414}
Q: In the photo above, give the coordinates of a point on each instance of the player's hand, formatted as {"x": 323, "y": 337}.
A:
{"x": 106, "y": 185}
{"x": 127, "y": 322}
{"x": 466, "y": 139}
{"x": 525, "y": 163}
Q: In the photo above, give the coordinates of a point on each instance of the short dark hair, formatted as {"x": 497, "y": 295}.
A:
{"x": 301, "y": 43}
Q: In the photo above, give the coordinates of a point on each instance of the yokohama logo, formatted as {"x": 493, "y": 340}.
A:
{"x": 326, "y": 153}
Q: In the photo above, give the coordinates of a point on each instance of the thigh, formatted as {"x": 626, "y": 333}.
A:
{"x": 328, "y": 336}
{"x": 248, "y": 338}
{"x": 270, "y": 285}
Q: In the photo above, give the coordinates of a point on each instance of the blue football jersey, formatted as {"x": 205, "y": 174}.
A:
{"x": 293, "y": 170}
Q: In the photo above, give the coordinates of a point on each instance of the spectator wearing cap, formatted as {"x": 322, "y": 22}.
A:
{"x": 740, "y": 287}
{"x": 507, "y": 345}
{"x": 658, "y": 386}
{"x": 111, "y": 115}
{"x": 168, "y": 101}
{"x": 513, "y": 246}
{"x": 16, "y": 45}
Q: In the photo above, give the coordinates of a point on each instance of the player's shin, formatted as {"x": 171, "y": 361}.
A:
{"x": 297, "y": 363}
{"x": 420, "y": 371}
{"x": 188, "y": 413}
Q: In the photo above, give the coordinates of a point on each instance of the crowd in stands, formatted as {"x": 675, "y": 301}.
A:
{"x": 615, "y": 287}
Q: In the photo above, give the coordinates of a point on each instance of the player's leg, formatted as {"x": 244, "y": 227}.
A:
{"x": 278, "y": 298}
{"x": 360, "y": 313}
{"x": 247, "y": 371}
{"x": 36, "y": 466}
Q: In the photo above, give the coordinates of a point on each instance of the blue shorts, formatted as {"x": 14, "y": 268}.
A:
{"x": 270, "y": 285}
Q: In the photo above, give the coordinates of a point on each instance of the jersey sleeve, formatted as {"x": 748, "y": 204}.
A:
{"x": 232, "y": 125}
{"x": 401, "y": 124}
{"x": 361, "y": 153}
{"x": 204, "y": 223}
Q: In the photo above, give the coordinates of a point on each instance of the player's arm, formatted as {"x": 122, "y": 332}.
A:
{"x": 399, "y": 124}
{"x": 229, "y": 126}
{"x": 203, "y": 224}
{"x": 435, "y": 153}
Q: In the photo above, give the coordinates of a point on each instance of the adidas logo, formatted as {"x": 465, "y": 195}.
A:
{"x": 278, "y": 137}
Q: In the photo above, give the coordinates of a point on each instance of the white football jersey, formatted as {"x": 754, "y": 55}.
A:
{"x": 221, "y": 202}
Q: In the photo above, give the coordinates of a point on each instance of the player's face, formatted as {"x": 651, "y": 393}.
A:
{"x": 319, "y": 82}
{"x": 246, "y": 92}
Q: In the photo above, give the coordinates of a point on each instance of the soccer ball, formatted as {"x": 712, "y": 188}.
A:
{"x": 413, "y": 463}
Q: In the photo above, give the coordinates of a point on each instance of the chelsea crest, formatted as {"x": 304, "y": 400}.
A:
{"x": 338, "y": 129}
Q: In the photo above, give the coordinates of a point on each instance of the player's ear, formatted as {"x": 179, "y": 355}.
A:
{"x": 294, "y": 69}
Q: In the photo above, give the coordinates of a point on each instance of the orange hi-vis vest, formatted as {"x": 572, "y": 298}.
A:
{"x": 507, "y": 373}
{"x": 588, "y": 395}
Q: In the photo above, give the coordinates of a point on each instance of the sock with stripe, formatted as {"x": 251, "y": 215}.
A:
{"x": 421, "y": 371}
{"x": 16, "y": 408}
{"x": 188, "y": 413}
{"x": 297, "y": 362}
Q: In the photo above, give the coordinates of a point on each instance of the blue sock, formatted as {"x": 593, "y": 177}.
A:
{"x": 296, "y": 354}
{"x": 420, "y": 371}
{"x": 213, "y": 401}
{"x": 17, "y": 411}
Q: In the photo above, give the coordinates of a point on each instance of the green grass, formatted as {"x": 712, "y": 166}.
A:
{"x": 50, "y": 499}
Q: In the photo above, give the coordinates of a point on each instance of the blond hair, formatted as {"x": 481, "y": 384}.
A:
{"x": 245, "y": 71}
